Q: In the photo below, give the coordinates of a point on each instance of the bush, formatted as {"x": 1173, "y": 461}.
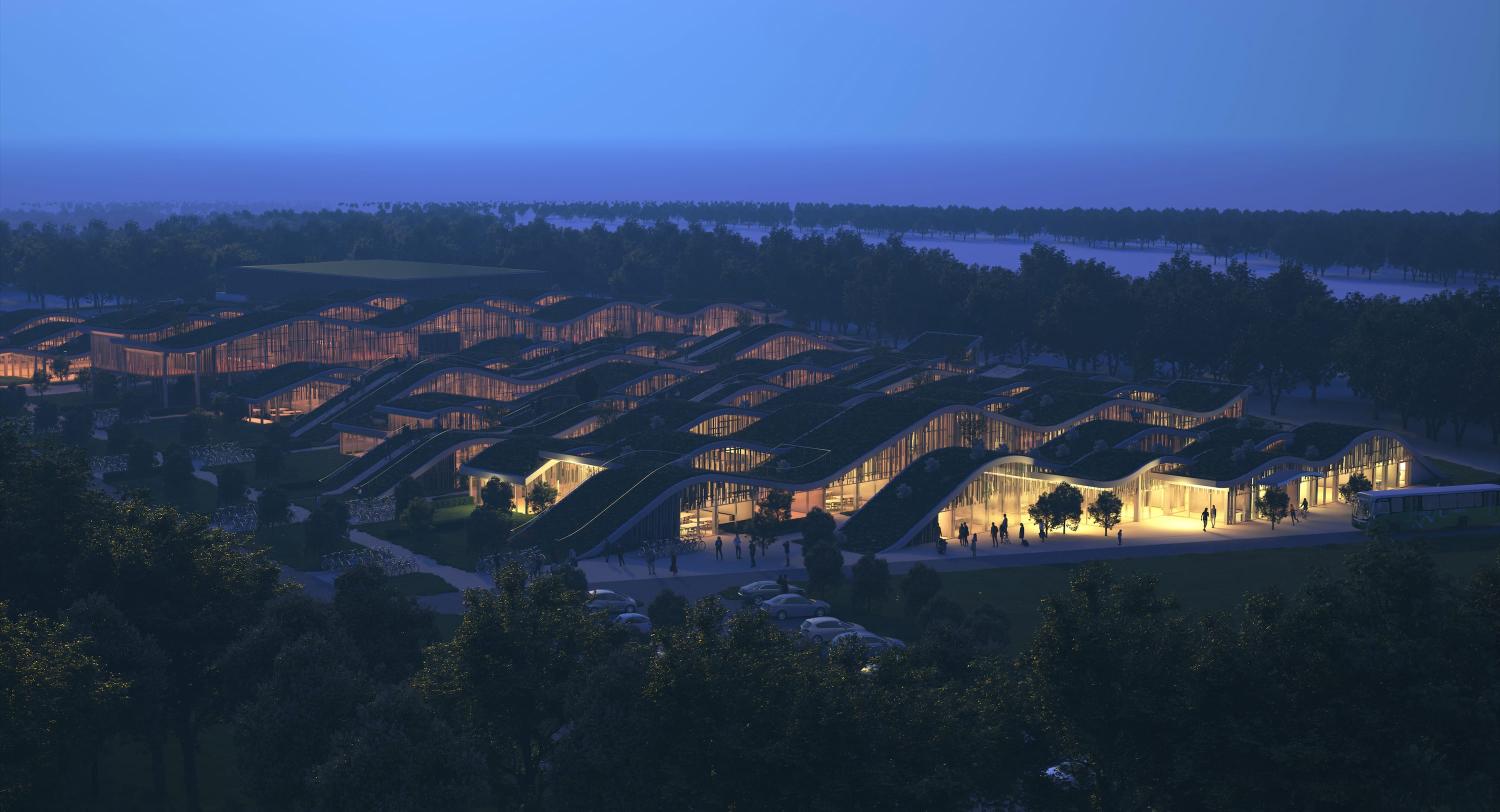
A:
{"x": 416, "y": 519}
{"x": 406, "y": 490}
{"x": 121, "y": 435}
{"x": 269, "y": 460}
{"x": 667, "y": 609}
{"x": 485, "y": 529}
{"x": 920, "y": 585}
{"x": 45, "y": 415}
{"x": 176, "y": 466}
{"x": 141, "y": 458}
{"x": 274, "y": 506}
{"x": 825, "y": 564}
{"x": 871, "y": 583}
{"x": 327, "y": 528}
{"x": 232, "y": 486}
{"x": 197, "y": 427}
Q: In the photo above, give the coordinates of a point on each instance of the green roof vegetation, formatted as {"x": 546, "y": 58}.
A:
{"x": 889, "y": 514}
{"x": 10, "y": 318}
{"x": 951, "y": 346}
{"x": 227, "y": 329}
{"x": 786, "y": 425}
{"x": 817, "y": 393}
{"x": 1048, "y": 406}
{"x": 602, "y": 504}
{"x": 517, "y": 455}
{"x": 1317, "y": 441}
{"x": 1109, "y": 465}
{"x": 415, "y": 311}
{"x": 568, "y": 309}
{"x": 389, "y": 270}
{"x": 1084, "y": 439}
{"x": 955, "y": 389}
{"x": 272, "y": 380}
{"x": 136, "y": 320}
{"x": 1200, "y": 396}
{"x": 839, "y": 442}
{"x": 38, "y": 332}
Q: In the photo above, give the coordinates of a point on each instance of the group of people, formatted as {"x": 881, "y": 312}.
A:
{"x": 763, "y": 545}
{"x": 999, "y": 534}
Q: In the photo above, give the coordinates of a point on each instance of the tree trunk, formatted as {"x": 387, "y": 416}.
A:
{"x": 158, "y": 748}
{"x": 187, "y": 738}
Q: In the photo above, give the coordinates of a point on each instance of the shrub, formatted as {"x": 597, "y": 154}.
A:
{"x": 919, "y": 586}
{"x": 667, "y": 609}
{"x": 871, "y": 584}
{"x": 825, "y": 564}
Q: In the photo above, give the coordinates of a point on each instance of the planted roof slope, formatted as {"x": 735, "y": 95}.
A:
{"x": 227, "y": 328}
{"x": 389, "y": 269}
{"x": 889, "y": 514}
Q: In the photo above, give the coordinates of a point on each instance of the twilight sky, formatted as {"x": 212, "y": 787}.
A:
{"x": 1345, "y": 77}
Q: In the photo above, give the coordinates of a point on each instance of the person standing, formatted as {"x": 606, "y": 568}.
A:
{"x": 752, "y": 552}
{"x": 736, "y": 546}
{"x": 718, "y": 548}
{"x": 994, "y": 535}
{"x": 620, "y": 553}
{"x": 1205, "y": 520}
{"x": 650, "y": 553}
{"x": 1119, "y": 538}
{"x": 1005, "y": 528}
{"x": 1021, "y": 533}
{"x": 974, "y": 546}
{"x": 786, "y": 547}
{"x": 1213, "y": 516}
{"x": 673, "y": 565}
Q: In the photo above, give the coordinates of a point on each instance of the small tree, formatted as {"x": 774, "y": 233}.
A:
{"x": 667, "y": 610}
{"x": 44, "y": 418}
{"x": 919, "y": 586}
{"x": 232, "y": 485}
{"x": 540, "y": 495}
{"x": 60, "y": 368}
{"x": 78, "y": 425}
{"x": 406, "y": 490}
{"x": 1273, "y": 504}
{"x": 120, "y": 437}
{"x": 772, "y": 512}
{"x": 40, "y": 381}
{"x": 141, "y": 458}
{"x": 198, "y": 427}
{"x": 1066, "y": 507}
{"x": 1357, "y": 483}
{"x": 825, "y": 565}
{"x": 274, "y": 506}
{"x": 176, "y": 467}
{"x": 1041, "y": 511}
{"x": 818, "y": 527}
{"x": 417, "y": 518}
{"x": 485, "y": 529}
{"x": 1106, "y": 510}
{"x": 871, "y": 585}
{"x": 496, "y": 495}
{"x": 270, "y": 458}
{"x": 327, "y": 527}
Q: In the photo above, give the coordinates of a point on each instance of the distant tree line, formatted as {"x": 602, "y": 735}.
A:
{"x": 1428, "y": 245}
{"x": 1186, "y": 318}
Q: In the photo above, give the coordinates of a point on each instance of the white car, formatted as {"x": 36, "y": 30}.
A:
{"x": 756, "y": 591}
{"x": 870, "y": 640}
{"x": 634, "y": 621}
{"x": 608, "y": 600}
{"x": 791, "y": 604}
{"x": 824, "y": 629}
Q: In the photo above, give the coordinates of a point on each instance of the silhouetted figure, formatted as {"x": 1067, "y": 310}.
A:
{"x": 1005, "y": 528}
{"x": 1205, "y": 520}
{"x": 1213, "y": 515}
{"x": 718, "y": 548}
{"x": 673, "y": 565}
{"x": 1021, "y": 533}
{"x": 1119, "y": 538}
{"x": 736, "y": 546}
{"x": 994, "y": 535}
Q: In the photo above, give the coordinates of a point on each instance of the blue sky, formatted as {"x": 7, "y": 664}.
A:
{"x": 765, "y": 72}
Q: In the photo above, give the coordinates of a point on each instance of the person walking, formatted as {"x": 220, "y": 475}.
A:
{"x": 1004, "y": 528}
{"x": 1021, "y": 534}
{"x": 1205, "y": 520}
{"x": 718, "y": 548}
{"x": 1213, "y": 515}
{"x": 994, "y": 535}
{"x": 1119, "y": 538}
{"x": 620, "y": 553}
{"x": 974, "y": 546}
{"x": 752, "y": 552}
{"x": 736, "y": 546}
{"x": 650, "y": 553}
{"x": 786, "y": 547}
{"x": 673, "y": 565}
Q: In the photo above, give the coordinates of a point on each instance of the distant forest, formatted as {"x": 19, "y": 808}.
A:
{"x": 1432, "y": 360}
{"x": 1426, "y": 245}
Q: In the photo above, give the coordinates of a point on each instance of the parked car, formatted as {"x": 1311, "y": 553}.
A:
{"x": 634, "y": 621}
{"x": 791, "y": 604}
{"x": 757, "y": 591}
{"x": 873, "y": 642}
{"x": 608, "y": 600}
{"x": 824, "y": 629}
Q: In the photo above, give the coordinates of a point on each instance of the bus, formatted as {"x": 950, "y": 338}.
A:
{"x": 1423, "y": 508}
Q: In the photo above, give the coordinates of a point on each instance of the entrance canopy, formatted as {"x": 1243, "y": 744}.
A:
{"x": 1283, "y": 477}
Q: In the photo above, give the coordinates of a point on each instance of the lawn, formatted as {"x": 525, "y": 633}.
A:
{"x": 285, "y": 543}
{"x": 1461, "y": 474}
{"x": 297, "y": 467}
{"x": 446, "y": 543}
{"x": 1202, "y": 582}
{"x": 194, "y": 496}
{"x": 417, "y": 584}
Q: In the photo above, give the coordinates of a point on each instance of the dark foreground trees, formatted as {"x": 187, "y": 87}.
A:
{"x": 1377, "y": 689}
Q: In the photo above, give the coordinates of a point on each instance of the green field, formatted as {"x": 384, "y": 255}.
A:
{"x": 1461, "y": 474}
{"x": 447, "y": 543}
{"x": 1202, "y": 582}
{"x": 297, "y": 468}
{"x": 284, "y": 543}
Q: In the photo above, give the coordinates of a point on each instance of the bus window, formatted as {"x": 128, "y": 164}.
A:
{"x": 1382, "y": 506}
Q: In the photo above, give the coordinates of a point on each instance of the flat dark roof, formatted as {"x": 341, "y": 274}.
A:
{"x": 388, "y": 269}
